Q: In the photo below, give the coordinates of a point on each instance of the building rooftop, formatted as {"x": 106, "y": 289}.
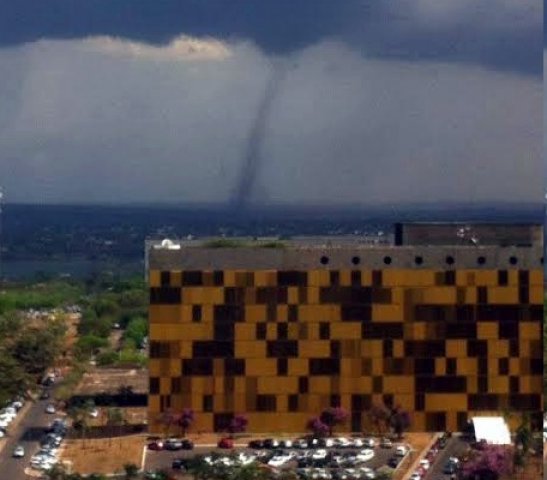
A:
{"x": 417, "y": 245}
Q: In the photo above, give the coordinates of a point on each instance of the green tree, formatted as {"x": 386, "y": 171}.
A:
{"x": 87, "y": 345}
{"x": 91, "y": 324}
{"x": 251, "y": 471}
{"x": 136, "y": 330}
{"x": 105, "y": 306}
{"x": 10, "y": 326}
{"x": 131, "y": 471}
{"x": 13, "y": 378}
{"x": 36, "y": 349}
{"x": 200, "y": 469}
{"x": 115, "y": 419}
{"x": 108, "y": 357}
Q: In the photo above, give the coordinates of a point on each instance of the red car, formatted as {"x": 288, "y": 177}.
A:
{"x": 226, "y": 443}
{"x": 157, "y": 445}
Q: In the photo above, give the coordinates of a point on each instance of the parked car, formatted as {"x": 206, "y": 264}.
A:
{"x": 226, "y": 442}
{"x": 257, "y": 444}
{"x": 386, "y": 443}
{"x": 180, "y": 464}
{"x": 394, "y": 461}
{"x": 401, "y": 451}
{"x": 365, "y": 455}
{"x": 94, "y": 413}
{"x": 271, "y": 443}
{"x": 172, "y": 444}
{"x": 187, "y": 444}
{"x": 19, "y": 451}
{"x": 50, "y": 409}
{"x": 157, "y": 445}
{"x": 449, "y": 468}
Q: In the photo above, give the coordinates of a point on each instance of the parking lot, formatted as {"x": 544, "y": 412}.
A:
{"x": 334, "y": 461}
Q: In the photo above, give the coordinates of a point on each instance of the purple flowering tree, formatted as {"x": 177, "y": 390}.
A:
{"x": 490, "y": 463}
{"x": 318, "y": 428}
{"x": 399, "y": 421}
{"x": 333, "y": 416}
{"x": 185, "y": 420}
{"x": 238, "y": 424}
{"x": 167, "y": 419}
{"x": 379, "y": 417}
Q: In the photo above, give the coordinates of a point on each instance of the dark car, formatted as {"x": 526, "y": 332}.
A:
{"x": 157, "y": 445}
{"x": 450, "y": 468}
{"x": 48, "y": 381}
{"x": 187, "y": 444}
{"x": 271, "y": 443}
{"x": 257, "y": 444}
{"x": 180, "y": 464}
{"x": 394, "y": 461}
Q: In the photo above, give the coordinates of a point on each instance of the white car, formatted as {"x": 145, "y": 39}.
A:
{"x": 415, "y": 476}
{"x": 4, "y": 423}
{"x": 320, "y": 454}
{"x": 342, "y": 442}
{"x": 94, "y": 413}
{"x": 424, "y": 463}
{"x": 19, "y": 451}
{"x": 365, "y": 455}
{"x": 358, "y": 443}
{"x": 367, "y": 473}
{"x": 10, "y": 411}
{"x": 2, "y": 434}
{"x": 369, "y": 442}
{"x": 401, "y": 451}
{"x": 50, "y": 408}
{"x": 5, "y": 413}
{"x": 279, "y": 460}
{"x": 245, "y": 459}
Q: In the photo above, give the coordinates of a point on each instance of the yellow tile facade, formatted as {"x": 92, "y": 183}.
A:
{"x": 279, "y": 346}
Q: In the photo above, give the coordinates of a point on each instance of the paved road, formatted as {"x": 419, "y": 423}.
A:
{"x": 454, "y": 447}
{"x": 163, "y": 459}
{"x": 27, "y": 432}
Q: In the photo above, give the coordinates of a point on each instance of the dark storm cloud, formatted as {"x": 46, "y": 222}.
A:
{"x": 105, "y": 120}
{"x": 501, "y": 34}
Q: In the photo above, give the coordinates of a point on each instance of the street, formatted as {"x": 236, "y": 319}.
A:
{"x": 455, "y": 447}
{"x": 27, "y": 432}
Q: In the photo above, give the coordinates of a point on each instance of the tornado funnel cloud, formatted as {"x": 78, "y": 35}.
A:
{"x": 252, "y": 160}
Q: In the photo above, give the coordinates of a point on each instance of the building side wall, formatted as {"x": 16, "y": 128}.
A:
{"x": 281, "y": 345}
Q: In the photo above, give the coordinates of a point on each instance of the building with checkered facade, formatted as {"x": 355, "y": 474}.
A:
{"x": 445, "y": 331}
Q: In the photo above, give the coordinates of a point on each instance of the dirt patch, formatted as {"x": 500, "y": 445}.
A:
{"x": 131, "y": 416}
{"x": 103, "y": 455}
{"x": 110, "y": 380}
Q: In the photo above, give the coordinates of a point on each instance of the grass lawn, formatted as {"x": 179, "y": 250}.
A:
{"x": 103, "y": 455}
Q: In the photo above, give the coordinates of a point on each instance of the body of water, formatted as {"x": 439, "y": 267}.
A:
{"x": 78, "y": 269}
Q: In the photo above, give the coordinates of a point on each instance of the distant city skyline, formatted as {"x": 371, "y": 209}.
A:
{"x": 285, "y": 103}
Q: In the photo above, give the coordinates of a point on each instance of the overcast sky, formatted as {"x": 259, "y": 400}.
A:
{"x": 271, "y": 102}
